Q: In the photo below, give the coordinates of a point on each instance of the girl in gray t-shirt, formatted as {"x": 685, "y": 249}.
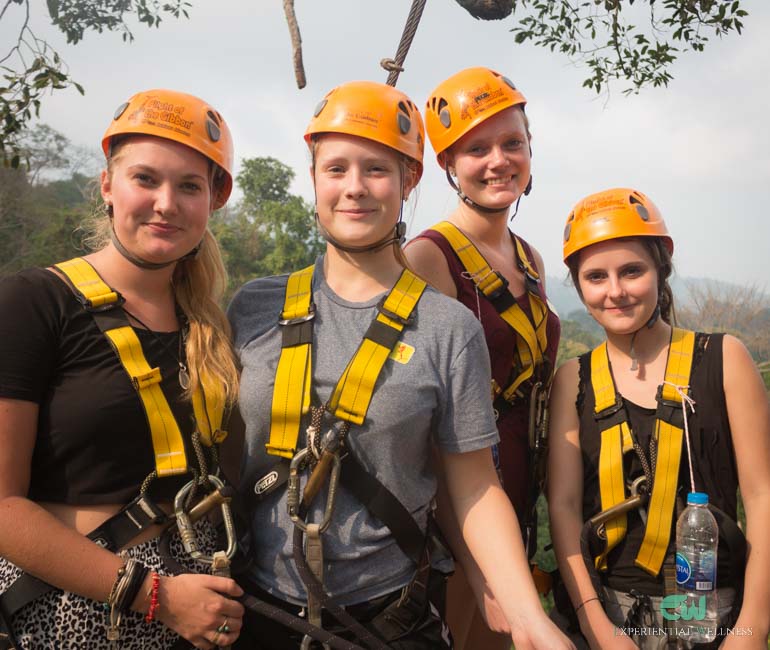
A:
{"x": 360, "y": 347}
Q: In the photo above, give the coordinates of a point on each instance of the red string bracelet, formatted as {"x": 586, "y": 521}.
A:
{"x": 153, "y": 593}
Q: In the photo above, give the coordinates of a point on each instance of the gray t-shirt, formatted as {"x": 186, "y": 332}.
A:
{"x": 439, "y": 395}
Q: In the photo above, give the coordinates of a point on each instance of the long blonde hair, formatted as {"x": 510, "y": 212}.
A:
{"x": 198, "y": 285}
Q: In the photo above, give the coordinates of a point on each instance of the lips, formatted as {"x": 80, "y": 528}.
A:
{"x": 163, "y": 228}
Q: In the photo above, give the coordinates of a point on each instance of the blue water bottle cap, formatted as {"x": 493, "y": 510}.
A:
{"x": 697, "y": 498}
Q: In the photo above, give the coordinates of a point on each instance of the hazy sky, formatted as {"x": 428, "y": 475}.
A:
{"x": 700, "y": 148}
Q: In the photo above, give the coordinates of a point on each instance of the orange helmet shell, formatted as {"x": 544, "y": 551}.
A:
{"x": 179, "y": 117}
{"x": 373, "y": 111}
{"x": 464, "y": 101}
{"x": 612, "y": 214}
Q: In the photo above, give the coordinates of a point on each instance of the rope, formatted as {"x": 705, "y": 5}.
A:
{"x": 396, "y": 66}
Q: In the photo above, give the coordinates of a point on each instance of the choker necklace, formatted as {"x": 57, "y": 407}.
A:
{"x": 183, "y": 374}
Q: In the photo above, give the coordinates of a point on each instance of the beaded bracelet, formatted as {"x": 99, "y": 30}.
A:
{"x": 587, "y": 600}
{"x": 153, "y": 594}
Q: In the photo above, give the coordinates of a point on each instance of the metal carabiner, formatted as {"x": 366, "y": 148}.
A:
{"x": 185, "y": 524}
{"x": 293, "y": 499}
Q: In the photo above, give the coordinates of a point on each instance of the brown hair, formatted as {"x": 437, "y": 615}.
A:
{"x": 661, "y": 258}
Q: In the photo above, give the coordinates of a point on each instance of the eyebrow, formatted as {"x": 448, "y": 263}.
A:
{"x": 150, "y": 168}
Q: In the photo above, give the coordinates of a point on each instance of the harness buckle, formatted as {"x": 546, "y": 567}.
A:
{"x": 299, "y": 319}
{"x": 393, "y": 315}
{"x": 494, "y": 295}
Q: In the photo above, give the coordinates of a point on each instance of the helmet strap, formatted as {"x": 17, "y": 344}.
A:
{"x": 648, "y": 325}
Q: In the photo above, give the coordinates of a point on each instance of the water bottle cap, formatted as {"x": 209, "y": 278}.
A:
{"x": 697, "y": 498}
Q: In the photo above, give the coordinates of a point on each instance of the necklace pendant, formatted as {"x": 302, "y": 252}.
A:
{"x": 184, "y": 376}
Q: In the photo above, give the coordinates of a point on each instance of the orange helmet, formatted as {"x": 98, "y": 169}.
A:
{"x": 179, "y": 117}
{"x": 373, "y": 111}
{"x": 612, "y": 214}
{"x": 464, "y": 101}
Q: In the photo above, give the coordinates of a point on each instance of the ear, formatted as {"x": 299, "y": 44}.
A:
{"x": 445, "y": 159}
{"x": 105, "y": 186}
{"x": 411, "y": 178}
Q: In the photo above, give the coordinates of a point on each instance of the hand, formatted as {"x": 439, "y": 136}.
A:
{"x": 539, "y": 632}
{"x": 198, "y": 607}
{"x": 603, "y": 633}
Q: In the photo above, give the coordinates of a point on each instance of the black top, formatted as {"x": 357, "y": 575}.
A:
{"x": 93, "y": 442}
{"x": 713, "y": 462}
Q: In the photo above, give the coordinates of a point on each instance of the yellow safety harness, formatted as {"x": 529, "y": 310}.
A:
{"x": 104, "y": 303}
{"x": 531, "y": 340}
{"x": 353, "y": 393}
{"x": 617, "y": 439}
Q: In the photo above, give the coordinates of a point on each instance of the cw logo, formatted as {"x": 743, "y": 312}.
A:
{"x": 679, "y": 609}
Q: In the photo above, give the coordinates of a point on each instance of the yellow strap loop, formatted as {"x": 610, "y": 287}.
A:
{"x": 167, "y": 441}
{"x": 291, "y": 390}
{"x": 353, "y": 393}
{"x": 531, "y": 342}
{"x": 617, "y": 440}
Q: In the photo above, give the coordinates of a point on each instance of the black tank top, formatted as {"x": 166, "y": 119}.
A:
{"x": 713, "y": 462}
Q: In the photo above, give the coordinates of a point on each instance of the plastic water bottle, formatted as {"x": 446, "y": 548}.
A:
{"x": 697, "y": 537}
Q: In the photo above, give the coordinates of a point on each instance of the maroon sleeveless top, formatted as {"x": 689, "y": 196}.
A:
{"x": 501, "y": 341}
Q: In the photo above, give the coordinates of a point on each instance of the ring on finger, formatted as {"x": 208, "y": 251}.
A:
{"x": 224, "y": 628}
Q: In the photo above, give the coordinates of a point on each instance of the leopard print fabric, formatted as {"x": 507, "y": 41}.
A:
{"x": 62, "y": 620}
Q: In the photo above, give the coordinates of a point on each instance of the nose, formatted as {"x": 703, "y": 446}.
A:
{"x": 616, "y": 288}
{"x": 356, "y": 185}
{"x": 165, "y": 198}
{"x": 497, "y": 157}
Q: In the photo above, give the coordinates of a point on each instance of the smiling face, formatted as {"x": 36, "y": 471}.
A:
{"x": 492, "y": 161}
{"x": 358, "y": 186}
{"x": 160, "y": 195}
{"x": 618, "y": 282}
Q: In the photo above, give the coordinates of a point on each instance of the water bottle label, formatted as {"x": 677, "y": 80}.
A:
{"x": 696, "y": 576}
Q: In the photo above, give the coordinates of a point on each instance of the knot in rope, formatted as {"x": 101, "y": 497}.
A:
{"x": 390, "y": 65}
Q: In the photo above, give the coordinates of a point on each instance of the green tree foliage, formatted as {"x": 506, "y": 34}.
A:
{"x": 40, "y": 212}
{"x": 31, "y": 67}
{"x": 625, "y": 40}
{"x": 579, "y": 334}
{"x": 270, "y": 231}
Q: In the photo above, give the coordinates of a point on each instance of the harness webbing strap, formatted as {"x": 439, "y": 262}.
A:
{"x": 616, "y": 440}
{"x": 353, "y": 392}
{"x": 669, "y": 437}
{"x": 291, "y": 391}
{"x": 531, "y": 341}
{"x": 209, "y": 408}
{"x": 97, "y": 297}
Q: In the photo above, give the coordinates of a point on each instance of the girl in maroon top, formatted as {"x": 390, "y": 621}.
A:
{"x": 478, "y": 128}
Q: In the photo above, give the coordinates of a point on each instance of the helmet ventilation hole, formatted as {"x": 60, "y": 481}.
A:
{"x": 443, "y": 113}
{"x": 214, "y": 117}
{"x": 120, "y": 110}
{"x": 508, "y": 81}
{"x": 404, "y": 124}
{"x": 643, "y": 212}
{"x": 213, "y": 130}
{"x": 319, "y": 108}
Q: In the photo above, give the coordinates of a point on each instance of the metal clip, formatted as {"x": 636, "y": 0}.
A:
{"x": 293, "y": 491}
{"x": 185, "y": 523}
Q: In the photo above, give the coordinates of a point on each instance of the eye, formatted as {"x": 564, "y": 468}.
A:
{"x": 634, "y": 270}
{"x": 594, "y": 276}
{"x": 514, "y": 144}
{"x": 191, "y": 186}
{"x": 144, "y": 178}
